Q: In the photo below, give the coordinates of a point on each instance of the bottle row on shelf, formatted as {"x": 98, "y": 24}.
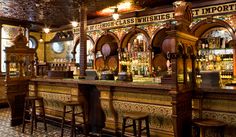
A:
{"x": 60, "y": 66}
{"x": 214, "y": 58}
{"x": 226, "y": 75}
{"x": 135, "y": 62}
{"x": 213, "y": 43}
{"x": 140, "y": 70}
{"x": 215, "y": 55}
{"x": 212, "y": 66}
{"x": 140, "y": 56}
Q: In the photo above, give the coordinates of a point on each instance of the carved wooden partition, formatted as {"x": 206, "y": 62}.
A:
{"x": 182, "y": 74}
{"x": 19, "y": 69}
{"x": 181, "y": 52}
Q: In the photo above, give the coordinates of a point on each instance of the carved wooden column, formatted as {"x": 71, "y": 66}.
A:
{"x": 17, "y": 86}
{"x": 7, "y": 70}
{"x": 119, "y": 57}
{"x": 106, "y": 97}
{"x": 180, "y": 47}
{"x": 1, "y": 44}
{"x": 182, "y": 113}
{"x": 232, "y": 43}
{"x": 150, "y": 59}
{"x": 83, "y": 38}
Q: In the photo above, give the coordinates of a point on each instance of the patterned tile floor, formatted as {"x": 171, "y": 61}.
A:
{"x": 7, "y": 131}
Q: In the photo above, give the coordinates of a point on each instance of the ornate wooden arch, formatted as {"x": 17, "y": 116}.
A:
{"x": 77, "y": 42}
{"x": 209, "y": 23}
{"x": 36, "y": 47}
{"x": 181, "y": 48}
{"x": 158, "y": 37}
{"x": 125, "y": 39}
{"x": 103, "y": 39}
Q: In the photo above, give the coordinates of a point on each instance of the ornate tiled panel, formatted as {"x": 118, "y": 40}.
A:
{"x": 220, "y": 105}
{"x": 160, "y": 116}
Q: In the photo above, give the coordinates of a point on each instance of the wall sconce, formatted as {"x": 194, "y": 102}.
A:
{"x": 115, "y": 14}
{"x": 46, "y": 30}
{"x": 41, "y": 37}
{"x": 74, "y": 23}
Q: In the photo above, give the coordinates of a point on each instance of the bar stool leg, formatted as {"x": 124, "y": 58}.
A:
{"x": 202, "y": 132}
{"x": 221, "y": 132}
{"x": 134, "y": 128}
{"x": 123, "y": 127}
{"x": 85, "y": 124}
{"x": 147, "y": 127}
{"x": 33, "y": 113}
{"x": 139, "y": 128}
{"x": 35, "y": 117}
{"x": 73, "y": 122}
{"x": 25, "y": 108}
{"x": 43, "y": 111}
{"x": 63, "y": 121}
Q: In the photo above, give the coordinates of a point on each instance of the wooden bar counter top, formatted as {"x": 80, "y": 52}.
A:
{"x": 147, "y": 85}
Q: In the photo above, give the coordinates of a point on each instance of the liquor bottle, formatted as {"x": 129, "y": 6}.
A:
{"x": 206, "y": 46}
{"x": 124, "y": 57}
{"x": 223, "y": 43}
{"x": 210, "y": 56}
{"x": 141, "y": 70}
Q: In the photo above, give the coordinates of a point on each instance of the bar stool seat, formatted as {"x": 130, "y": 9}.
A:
{"x": 139, "y": 117}
{"x": 72, "y": 105}
{"x": 204, "y": 124}
{"x": 30, "y": 108}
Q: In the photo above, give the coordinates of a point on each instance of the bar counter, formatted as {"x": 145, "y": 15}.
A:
{"x": 148, "y": 85}
{"x": 216, "y": 103}
{"x": 107, "y": 100}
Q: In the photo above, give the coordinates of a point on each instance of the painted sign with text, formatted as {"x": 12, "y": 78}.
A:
{"x": 197, "y": 12}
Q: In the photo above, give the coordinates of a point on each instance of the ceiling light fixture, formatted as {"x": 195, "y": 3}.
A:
{"x": 46, "y": 30}
{"x": 74, "y": 23}
{"x": 124, "y": 6}
{"x": 178, "y": 3}
{"x": 115, "y": 14}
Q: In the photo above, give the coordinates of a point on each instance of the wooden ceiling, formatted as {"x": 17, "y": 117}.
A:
{"x": 57, "y": 13}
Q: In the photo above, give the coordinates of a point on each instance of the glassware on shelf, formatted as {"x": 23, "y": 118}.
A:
{"x": 135, "y": 57}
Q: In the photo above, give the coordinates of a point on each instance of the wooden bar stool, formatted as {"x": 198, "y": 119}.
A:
{"x": 139, "y": 117}
{"x": 30, "y": 108}
{"x": 204, "y": 124}
{"x": 72, "y": 105}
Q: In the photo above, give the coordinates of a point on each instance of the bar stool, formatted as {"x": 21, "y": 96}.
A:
{"x": 136, "y": 117}
{"x": 204, "y": 124}
{"x": 30, "y": 108}
{"x": 72, "y": 105}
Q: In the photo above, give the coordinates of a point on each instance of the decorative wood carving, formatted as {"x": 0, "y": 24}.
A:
{"x": 19, "y": 69}
{"x": 106, "y": 97}
{"x": 232, "y": 43}
{"x": 179, "y": 48}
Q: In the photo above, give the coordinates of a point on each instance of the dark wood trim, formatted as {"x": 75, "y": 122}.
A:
{"x": 215, "y": 93}
{"x": 0, "y": 46}
{"x": 83, "y": 39}
{"x": 15, "y": 22}
{"x": 141, "y": 90}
